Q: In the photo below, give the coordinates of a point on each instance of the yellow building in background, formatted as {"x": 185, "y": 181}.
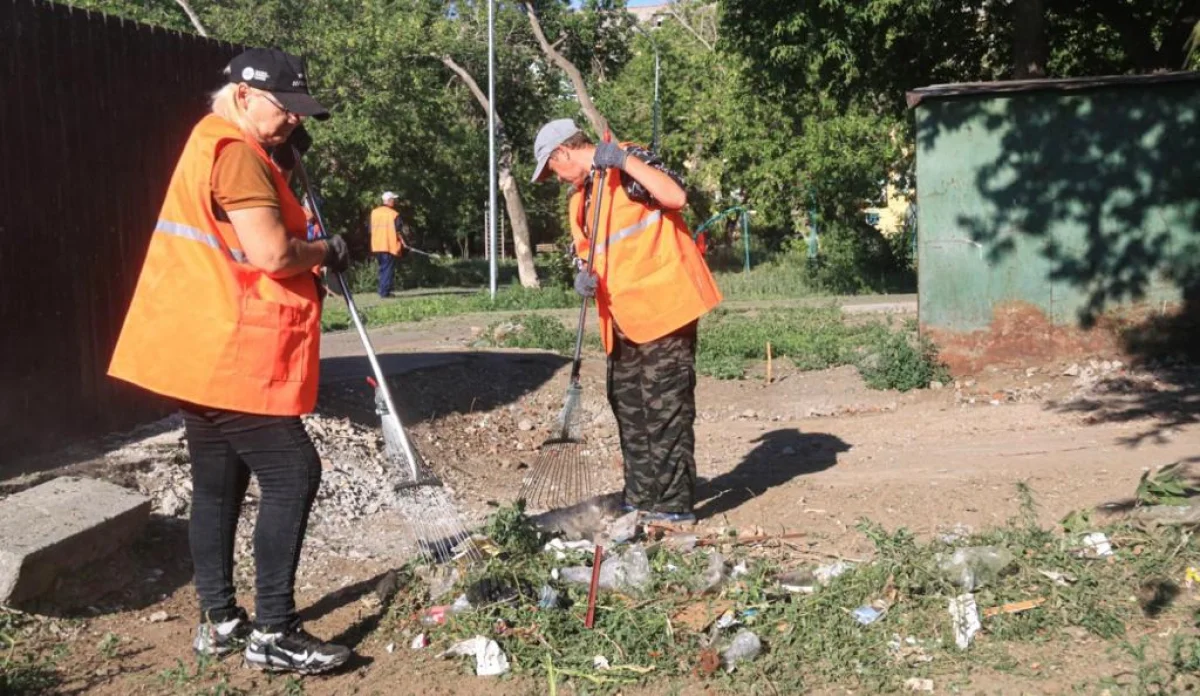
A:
{"x": 890, "y": 217}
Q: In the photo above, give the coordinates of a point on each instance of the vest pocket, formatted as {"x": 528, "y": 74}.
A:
{"x": 272, "y": 341}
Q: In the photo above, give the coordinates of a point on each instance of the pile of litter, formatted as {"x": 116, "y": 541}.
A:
{"x": 673, "y": 602}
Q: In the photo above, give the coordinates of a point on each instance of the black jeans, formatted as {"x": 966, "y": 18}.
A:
{"x": 226, "y": 448}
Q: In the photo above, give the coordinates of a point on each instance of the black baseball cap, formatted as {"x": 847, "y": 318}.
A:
{"x": 281, "y": 74}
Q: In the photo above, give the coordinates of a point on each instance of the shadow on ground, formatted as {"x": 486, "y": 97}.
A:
{"x": 779, "y": 457}
{"x": 429, "y": 385}
{"x": 130, "y": 579}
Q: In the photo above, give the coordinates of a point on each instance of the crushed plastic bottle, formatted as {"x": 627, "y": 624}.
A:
{"x": 548, "y": 598}
{"x": 714, "y": 575}
{"x": 629, "y": 572}
{"x": 975, "y": 566}
{"x": 745, "y": 648}
{"x": 826, "y": 573}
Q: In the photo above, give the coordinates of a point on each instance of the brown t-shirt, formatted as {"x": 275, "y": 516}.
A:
{"x": 241, "y": 179}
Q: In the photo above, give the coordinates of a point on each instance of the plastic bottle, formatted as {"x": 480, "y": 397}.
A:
{"x": 975, "y": 566}
{"x": 745, "y": 647}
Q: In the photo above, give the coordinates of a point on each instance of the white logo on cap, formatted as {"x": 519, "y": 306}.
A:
{"x": 247, "y": 73}
{"x": 261, "y": 75}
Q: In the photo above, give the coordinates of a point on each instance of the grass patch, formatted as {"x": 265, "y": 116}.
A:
{"x": 816, "y": 338}
{"x": 336, "y": 317}
{"x": 529, "y": 331}
{"x": 811, "y": 641}
{"x": 769, "y": 281}
{"x": 813, "y": 338}
{"x": 24, "y": 670}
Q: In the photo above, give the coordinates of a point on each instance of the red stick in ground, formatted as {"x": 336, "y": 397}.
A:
{"x": 597, "y": 559}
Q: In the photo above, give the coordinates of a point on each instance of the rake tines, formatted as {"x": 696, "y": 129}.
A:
{"x": 560, "y": 476}
{"x": 439, "y": 534}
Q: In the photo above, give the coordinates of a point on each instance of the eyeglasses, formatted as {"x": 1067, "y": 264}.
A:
{"x": 274, "y": 102}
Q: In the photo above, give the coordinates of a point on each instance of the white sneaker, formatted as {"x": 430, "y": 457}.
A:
{"x": 221, "y": 638}
{"x": 294, "y": 650}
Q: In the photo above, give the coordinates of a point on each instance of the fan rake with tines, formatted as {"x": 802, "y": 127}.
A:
{"x": 439, "y": 531}
{"x": 564, "y": 472}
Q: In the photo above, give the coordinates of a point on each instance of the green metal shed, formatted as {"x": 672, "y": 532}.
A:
{"x": 1046, "y": 206}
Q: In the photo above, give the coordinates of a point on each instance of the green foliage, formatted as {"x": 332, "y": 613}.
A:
{"x": 854, "y": 259}
{"x": 376, "y": 312}
{"x": 1166, "y": 486}
{"x": 637, "y": 634}
{"x": 23, "y": 670}
{"x": 530, "y": 331}
{"x": 512, "y": 530}
{"x": 896, "y": 363}
{"x": 816, "y": 338}
{"x": 108, "y": 645}
{"x": 416, "y": 271}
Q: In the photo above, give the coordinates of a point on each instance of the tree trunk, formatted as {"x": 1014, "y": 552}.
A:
{"x": 599, "y": 123}
{"x": 195, "y": 18}
{"x": 522, "y": 249}
{"x": 1030, "y": 50}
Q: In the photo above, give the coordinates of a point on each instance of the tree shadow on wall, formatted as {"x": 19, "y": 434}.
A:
{"x": 1103, "y": 185}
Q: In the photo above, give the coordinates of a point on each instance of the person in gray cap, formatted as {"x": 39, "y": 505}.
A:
{"x": 651, "y": 286}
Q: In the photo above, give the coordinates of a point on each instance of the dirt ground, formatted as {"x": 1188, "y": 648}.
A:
{"x": 812, "y": 452}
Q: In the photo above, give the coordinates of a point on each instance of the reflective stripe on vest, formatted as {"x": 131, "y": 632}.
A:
{"x": 187, "y": 232}
{"x": 204, "y": 325}
{"x": 653, "y": 279}
{"x": 628, "y": 232}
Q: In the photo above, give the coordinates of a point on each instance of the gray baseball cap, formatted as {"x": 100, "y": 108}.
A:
{"x": 548, "y": 138}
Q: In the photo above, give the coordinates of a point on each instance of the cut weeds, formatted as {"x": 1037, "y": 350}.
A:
{"x": 810, "y": 640}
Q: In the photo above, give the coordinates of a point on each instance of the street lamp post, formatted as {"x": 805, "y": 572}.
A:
{"x": 653, "y": 45}
{"x": 491, "y": 208}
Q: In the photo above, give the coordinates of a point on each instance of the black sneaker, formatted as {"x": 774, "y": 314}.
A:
{"x": 293, "y": 650}
{"x": 219, "y": 638}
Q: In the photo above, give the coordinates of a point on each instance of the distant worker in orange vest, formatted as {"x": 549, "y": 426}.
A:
{"x": 651, "y": 287}
{"x": 387, "y": 240}
{"x": 225, "y": 321}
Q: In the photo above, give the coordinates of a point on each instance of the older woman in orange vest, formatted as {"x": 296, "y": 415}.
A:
{"x": 651, "y": 287}
{"x": 225, "y": 320}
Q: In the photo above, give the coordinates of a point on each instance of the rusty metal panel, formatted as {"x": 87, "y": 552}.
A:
{"x": 1056, "y": 208}
{"x": 96, "y": 111}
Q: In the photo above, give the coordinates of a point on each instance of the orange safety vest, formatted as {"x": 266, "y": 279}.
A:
{"x": 653, "y": 279}
{"x": 384, "y": 237}
{"x": 207, "y": 327}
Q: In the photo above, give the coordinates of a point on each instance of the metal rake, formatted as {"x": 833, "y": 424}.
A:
{"x": 437, "y": 527}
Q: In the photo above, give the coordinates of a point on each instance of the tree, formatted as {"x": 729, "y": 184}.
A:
{"x": 599, "y": 123}
{"x": 872, "y": 51}
{"x": 508, "y": 184}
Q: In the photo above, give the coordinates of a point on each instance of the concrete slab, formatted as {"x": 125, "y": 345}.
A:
{"x": 61, "y": 526}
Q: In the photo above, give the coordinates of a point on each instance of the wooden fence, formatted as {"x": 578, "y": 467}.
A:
{"x": 94, "y": 111}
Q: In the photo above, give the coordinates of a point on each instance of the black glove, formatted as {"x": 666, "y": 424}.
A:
{"x": 585, "y": 284}
{"x": 283, "y": 153}
{"x": 337, "y": 254}
{"x": 609, "y": 155}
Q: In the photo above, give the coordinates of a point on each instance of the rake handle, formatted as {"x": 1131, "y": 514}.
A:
{"x": 358, "y": 324}
{"x": 577, "y": 361}
{"x": 597, "y": 561}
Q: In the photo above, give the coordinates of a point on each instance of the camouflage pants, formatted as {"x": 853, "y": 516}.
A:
{"x": 652, "y": 390}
